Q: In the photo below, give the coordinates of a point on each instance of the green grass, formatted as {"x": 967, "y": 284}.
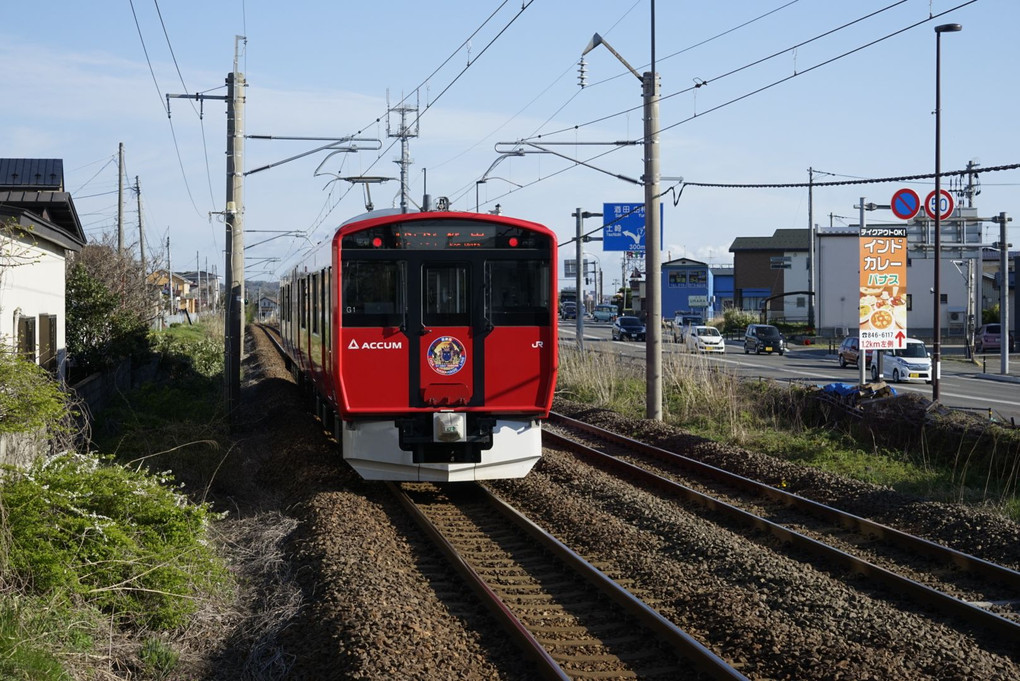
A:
{"x": 945, "y": 461}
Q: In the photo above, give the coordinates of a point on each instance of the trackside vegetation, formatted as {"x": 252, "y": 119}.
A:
{"x": 105, "y": 556}
{"x": 945, "y": 457}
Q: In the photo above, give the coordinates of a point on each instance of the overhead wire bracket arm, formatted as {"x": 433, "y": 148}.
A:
{"x": 316, "y": 150}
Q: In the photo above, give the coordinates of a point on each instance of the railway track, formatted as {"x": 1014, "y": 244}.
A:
{"x": 573, "y": 620}
{"x": 959, "y": 586}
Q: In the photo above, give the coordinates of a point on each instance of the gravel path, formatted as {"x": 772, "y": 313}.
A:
{"x": 336, "y": 592}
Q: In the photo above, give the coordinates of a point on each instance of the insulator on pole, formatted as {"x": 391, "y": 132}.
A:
{"x": 582, "y": 72}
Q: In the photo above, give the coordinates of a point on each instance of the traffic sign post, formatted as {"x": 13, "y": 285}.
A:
{"x": 945, "y": 207}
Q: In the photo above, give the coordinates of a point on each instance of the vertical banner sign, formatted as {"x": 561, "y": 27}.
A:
{"x": 883, "y": 288}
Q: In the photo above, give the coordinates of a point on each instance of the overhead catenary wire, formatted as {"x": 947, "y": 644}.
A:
{"x": 751, "y": 93}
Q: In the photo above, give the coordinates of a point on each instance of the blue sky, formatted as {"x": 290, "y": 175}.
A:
{"x": 77, "y": 82}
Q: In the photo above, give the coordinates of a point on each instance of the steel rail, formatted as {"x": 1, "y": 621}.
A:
{"x": 849, "y": 521}
{"x": 547, "y": 666}
{"x": 922, "y": 593}
{"x": 684, "y": 644}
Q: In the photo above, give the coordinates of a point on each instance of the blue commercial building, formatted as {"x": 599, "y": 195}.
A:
{"x": 686, "y": 288}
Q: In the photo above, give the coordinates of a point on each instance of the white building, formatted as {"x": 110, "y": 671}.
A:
{"x": 39, "y": 227}
{"x": 838, "y": 257}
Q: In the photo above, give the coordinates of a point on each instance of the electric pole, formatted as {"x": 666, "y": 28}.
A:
{"x": 234, "y": 233}
{"x": 141, "y": 230}
{"x": 405, "y": 132}
{"x": 120, "y": 198}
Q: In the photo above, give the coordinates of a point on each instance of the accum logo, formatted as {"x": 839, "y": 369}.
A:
{"x": 375, "y": 345}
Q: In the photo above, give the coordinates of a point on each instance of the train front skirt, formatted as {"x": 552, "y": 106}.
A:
{"x": 486, "y": 449}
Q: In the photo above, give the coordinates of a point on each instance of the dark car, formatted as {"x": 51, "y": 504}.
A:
{"x": 761, "y": 338}
{"x": 568, "y": 310}
{"x": 989, "y": 337}
{"x": 628, "y": 328}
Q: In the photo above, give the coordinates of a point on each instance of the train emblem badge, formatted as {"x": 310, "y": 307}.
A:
{"x": 446, "y": 355}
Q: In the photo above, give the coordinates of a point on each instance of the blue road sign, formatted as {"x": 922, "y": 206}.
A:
{"x": 625, "y": 226}
{"x": 905, "y": 203}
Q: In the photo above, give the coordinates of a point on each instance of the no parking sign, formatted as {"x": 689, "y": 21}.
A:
{"x": 905, "y": 203}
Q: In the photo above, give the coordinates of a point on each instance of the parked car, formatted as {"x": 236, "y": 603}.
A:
{"x": 849, "y": 352}
{"x": 705, "y": 339}
{"x": 568, "y": 310}
{"x": 604, "y": 313}
{"x": 909, "y": 363}
{"x": 989, "y": 338}
{"x": 628, "y": 328}
{"x": 761, "y": 338}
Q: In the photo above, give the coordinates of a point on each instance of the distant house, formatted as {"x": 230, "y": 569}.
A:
{"x": 268, "y": 309}
{"x": 205, "y": 289}
{"x": 39, "y": 228}
{"x": 768, "y": 266}
{"x": 183, "y": 300}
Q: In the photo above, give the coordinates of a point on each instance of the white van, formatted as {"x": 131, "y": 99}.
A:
{"x": 909, "y": 363}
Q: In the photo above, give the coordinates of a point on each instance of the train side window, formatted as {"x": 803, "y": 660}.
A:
{"x": 445, "y": 292}
{"x": 517, "y": 292}
{"x": 327, "y": 311}
{"x": 303, "y": 304}
{"x": 315, "y": 303}
{"x": 373, "y": 293}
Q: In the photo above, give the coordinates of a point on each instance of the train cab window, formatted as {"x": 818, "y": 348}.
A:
{"x": 373, "y": 293}
{"x": 517, "y": 292}
{"x": 445, "y": 292}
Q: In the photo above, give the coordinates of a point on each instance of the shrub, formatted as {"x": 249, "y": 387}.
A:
{"x": 120, "y": 540}
{"x": 30, "y": 399}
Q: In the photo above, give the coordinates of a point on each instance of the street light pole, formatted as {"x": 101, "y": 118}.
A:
{"x": 937, "y": 343}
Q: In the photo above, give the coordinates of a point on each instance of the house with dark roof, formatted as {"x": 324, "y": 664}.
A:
{"x": 39, "y": 228}
{"x": 769, "y": 266}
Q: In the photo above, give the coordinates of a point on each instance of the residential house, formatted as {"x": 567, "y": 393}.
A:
{"x": 769, "y": 266}
{"x": 40, "y": 230}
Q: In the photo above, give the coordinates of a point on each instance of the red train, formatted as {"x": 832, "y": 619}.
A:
{"x": 428, "y": 342}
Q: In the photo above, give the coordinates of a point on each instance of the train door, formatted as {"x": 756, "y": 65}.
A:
{"x": 448, "y": 342}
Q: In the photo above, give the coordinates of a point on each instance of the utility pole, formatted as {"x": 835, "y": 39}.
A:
{"x": 404, "y": 133}
{"x": 811, "y": 250}
{"x": 120, "y": 198}
{"x": 141, "y": 230}
{"x": 653, "y": 259}
{"x": 1002, "y": 220}
{"x": 579, "y": 254}
{"x": 234, "y": 231}
{"x": 170, "y": 276}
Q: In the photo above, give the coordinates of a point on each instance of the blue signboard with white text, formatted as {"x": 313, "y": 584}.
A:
{"x": 624, "y": 228}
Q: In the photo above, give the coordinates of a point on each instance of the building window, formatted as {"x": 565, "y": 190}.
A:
{"x": 26, "y": 338}
{"x": 48, "y": 342}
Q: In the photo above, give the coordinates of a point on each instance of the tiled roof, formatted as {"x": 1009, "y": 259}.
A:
{"x": 32, "y": 173}
{"x": 781, "y": 240}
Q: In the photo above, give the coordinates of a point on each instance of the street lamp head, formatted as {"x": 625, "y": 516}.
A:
{"x": 948, "y": 28}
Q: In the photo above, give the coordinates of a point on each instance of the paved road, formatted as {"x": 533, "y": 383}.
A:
{"x": 964, "y": 384}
